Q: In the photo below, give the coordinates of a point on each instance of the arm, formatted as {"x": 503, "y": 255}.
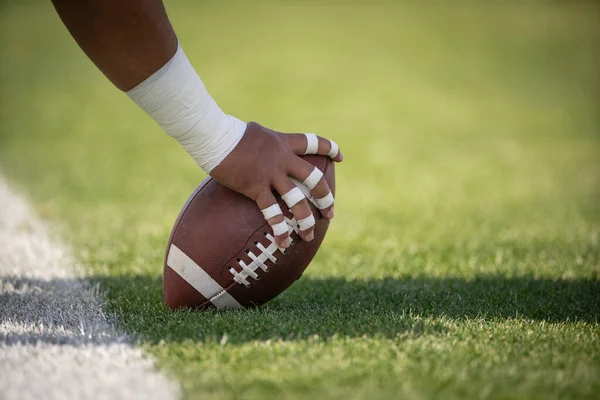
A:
{"x": 127, "y": 40}
{"x": 134, "y": 45}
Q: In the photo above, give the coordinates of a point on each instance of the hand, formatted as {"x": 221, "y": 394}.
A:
{"x": 264, "y": 160}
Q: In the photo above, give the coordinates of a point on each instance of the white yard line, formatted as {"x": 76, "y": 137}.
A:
{"x": 55, "y": 340}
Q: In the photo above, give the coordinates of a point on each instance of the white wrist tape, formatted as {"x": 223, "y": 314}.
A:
{"x": 175, "y": 97}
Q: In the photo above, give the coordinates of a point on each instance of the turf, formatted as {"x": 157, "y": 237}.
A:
{"x": 463, "y": 261}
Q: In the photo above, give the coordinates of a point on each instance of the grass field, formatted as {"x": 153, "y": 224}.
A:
{"x": 464, "y": 258}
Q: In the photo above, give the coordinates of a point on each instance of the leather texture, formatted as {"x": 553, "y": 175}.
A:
{"x": 218, "y": 226}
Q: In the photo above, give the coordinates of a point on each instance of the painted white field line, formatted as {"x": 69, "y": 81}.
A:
{"x": 55, "y": 340}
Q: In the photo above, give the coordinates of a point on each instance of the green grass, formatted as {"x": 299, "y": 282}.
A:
{"x": 464, "y": 258}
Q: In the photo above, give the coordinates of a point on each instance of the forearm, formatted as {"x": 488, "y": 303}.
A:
{"x": 127, "y": 40}
{"x": 133, "y": 44}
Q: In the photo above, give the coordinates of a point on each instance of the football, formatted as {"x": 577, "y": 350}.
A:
{"x": 219, "y": 230}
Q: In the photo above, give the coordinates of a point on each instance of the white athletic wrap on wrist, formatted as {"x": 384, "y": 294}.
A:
{"x": 313, "y": 179}
{"x": 271, "y": 211}
{"x": 312, "y": 143}
{"x": 292, "y": 197}
{"x": 307, "y": 222}
{"x": 175, "y": 97}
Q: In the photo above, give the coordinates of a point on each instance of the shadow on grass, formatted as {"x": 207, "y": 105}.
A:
{"x": 352, "y": 308}
{"x": 326, "y": 307}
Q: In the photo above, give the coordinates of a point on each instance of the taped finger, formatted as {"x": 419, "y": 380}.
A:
{"x": 333, "y": 150}
{"x": 298, "y": 204}
{"x": 280, "y": 228}
{"x": 313, "y": 179}
{"x": 321, "y": 146}
{"x": 306, "y": 223}
{"x": 324, "y": 202}
{"x": 292, "y": 197}
{"x": 312, "y": 143}
{"x": 271, "y": 211}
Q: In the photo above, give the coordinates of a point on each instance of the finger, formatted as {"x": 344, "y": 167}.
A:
{"x": 309, "y": 143}
{"x": 274, "y": 217}
{"x": 298, "y": 205}
{"x": 312, "y": 178}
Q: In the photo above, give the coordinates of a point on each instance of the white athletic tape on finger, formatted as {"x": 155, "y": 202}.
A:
{"x": 271, "y": 211}
{"x": 280, "y": 228}
{"x": 312, "y": 143}
{"x": 307, "y": 222}
{"x": 321, "y": 203}
{"x": 313, "y": 179}
{"x": 292, "y": 197}
{"x": 324, "y": 202}
{"x": 334, "y": 149}
{"x": 305, "y": 190}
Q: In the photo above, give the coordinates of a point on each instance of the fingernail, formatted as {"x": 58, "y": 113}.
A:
{"x": 286, "y": 243}
{"x": 310, "y": 236}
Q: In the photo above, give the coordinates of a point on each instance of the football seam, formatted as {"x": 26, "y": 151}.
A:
{"x": 208, "y": 302}
{"x": 263, "y": 226}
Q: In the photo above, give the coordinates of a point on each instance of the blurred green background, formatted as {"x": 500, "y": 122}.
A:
{"x": 463, "y": 260}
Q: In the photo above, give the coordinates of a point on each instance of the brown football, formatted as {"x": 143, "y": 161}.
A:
{"x": 216, "y": 231}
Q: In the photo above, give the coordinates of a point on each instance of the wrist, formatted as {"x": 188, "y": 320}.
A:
{"x": 175, "y": 97}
